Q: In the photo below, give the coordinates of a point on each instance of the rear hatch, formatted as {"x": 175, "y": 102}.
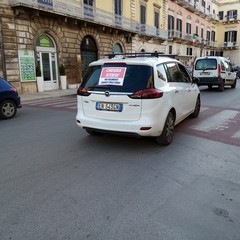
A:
{"x": 206, "y": 68}
{"x": 114, "y": 91}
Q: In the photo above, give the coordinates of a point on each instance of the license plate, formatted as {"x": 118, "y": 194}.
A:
{"x": 115, "y": 107}
{"x": 205, "y": 73}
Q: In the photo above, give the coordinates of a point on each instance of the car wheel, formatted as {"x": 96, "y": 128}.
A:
{"x": 197, "y": 108}
{"x": 168, "y": 131}
{"x": 221, "y": 86}
{"x": 234, "y": 84}
{"x": 8, "y": 109}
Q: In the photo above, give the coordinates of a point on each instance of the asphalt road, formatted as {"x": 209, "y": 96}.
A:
{"x": 57, "y": 182}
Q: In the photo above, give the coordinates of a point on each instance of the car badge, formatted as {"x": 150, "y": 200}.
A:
{"x": 107, "y": 93}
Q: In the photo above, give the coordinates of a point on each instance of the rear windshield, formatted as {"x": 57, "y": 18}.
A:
{"x": 118, "y": 78}
{"x": 206, "y": 64}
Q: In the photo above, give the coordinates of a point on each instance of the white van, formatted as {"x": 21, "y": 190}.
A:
{"x": 214, "y": 71}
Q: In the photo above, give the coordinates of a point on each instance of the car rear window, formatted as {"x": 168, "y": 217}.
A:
{"x": 206, "y": 64}
{"x": 118, "y": 78}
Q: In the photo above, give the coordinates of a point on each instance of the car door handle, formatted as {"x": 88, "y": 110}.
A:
{"x": 176, "y": 91}
{"x": 189, "y": 90}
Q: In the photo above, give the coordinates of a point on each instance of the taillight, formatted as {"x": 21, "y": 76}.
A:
{"x": 82, "y": 92}
{"x": 219, "y": 70}
{"x": 149, "y": 93}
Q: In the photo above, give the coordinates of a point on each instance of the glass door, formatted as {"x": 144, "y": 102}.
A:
{"x": 47, "y": 61}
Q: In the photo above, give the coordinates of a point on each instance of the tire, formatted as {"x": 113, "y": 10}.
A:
{"x": 168, "y": 131}
{"x": 221, "y": 86}
{"x": 197, "y": 108}
{"x": 8, "y": 109}
{"x": 234, "y": 84}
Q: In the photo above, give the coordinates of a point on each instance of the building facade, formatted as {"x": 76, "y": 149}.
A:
{"x": 73, "y": 33}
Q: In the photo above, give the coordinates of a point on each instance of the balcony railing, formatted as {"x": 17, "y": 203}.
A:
{"x": 193, "y": 6}
{"x": 76, "y": 9}
{"x": 180, "y": 35}
{"x": 230, "y": 45}
{"x": 231, "y": 18}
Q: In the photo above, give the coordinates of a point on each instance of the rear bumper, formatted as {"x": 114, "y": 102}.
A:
{"x": 143, "y": 127}
{"x": 209, "y": 81}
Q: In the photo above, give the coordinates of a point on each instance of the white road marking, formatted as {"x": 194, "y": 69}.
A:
{"x": 237, "y": 135}
{"x": 218, "y": 121}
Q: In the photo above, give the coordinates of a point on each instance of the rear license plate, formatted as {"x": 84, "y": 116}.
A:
{"x": 205, "y": 73}
{"x": 115, "y": 107}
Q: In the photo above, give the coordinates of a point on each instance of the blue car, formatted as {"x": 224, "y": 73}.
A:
{"x": 9, "y": 100}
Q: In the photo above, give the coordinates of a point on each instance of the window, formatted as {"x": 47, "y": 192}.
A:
{"x": 117, "y": 48}
{"x": 189, "y": 51}
{"x": 212, "y": 53}
{"x": 230, "y": 36}
{"x": 208, "y": 36}
{"x": 221, "y": 14}
{"x": 170, "y": 49}
{"x": 88, "y": 8}
{"x": 143, "y": 17}
{"x": 188, "y": 28}
{"x": 170, "y": 22}
{"x": 220, "y": 54}
{"x": 179, "y": 27}
{"x": 118, "y": 7}
{"x": 161, "y": 72}
{"x": 197, "y": 30}
{"x": 156, "y": 19}
{"x": 177, "y": 73}
{"x": 202, "y": 32}
{"x": 118, "y": 12}
{"x": 203, "y": 64}
{"x": 137, "y": 77}
{"x": 170, "y": 25}
{"x": 232, "y": 15}
{"x": 213, "y": 35}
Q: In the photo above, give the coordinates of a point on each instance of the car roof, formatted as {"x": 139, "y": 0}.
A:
{"x": 150, "y": 59}
{"x": 213, "y": 57}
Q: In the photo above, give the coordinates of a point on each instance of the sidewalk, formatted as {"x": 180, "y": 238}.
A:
{"x": 27, "y": 97}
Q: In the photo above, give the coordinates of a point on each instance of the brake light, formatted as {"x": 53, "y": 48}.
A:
{"x": 82, "y": 92}
{"x": 149, "y": 93}
{"x": 219, "y": 70}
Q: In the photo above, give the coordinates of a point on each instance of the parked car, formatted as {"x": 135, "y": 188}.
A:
{"x": 236, "y": 69}
{"x": 214, "y": 71}
{"x": 9, "y": 99}
{"x": 137, "y": 94}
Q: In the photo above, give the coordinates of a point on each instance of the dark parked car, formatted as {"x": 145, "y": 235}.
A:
{"x": 9, "y": 100}
{"x": 237, "y": 70}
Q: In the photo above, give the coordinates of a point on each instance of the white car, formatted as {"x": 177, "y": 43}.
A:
{"x": 214, "y": 71}
{"x": 142, "y": 94}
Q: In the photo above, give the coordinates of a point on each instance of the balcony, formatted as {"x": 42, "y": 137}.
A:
{"x": 230, "y": 45}
{"x": 231, "y": 19}
{"x": 178, "y": 36}
{"x": 83, "y": 12}
{"x": 193, "y": 6}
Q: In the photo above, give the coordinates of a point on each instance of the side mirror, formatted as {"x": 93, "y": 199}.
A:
{"x": 195, "y": 80}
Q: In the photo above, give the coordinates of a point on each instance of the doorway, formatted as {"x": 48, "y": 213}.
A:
{"x": 47, "y": 60}
{"x": 89, "y": 52}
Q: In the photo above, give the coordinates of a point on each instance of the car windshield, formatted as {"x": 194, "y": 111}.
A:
{"x": 206, "y": 64}
{"x": 118, "y": 78}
